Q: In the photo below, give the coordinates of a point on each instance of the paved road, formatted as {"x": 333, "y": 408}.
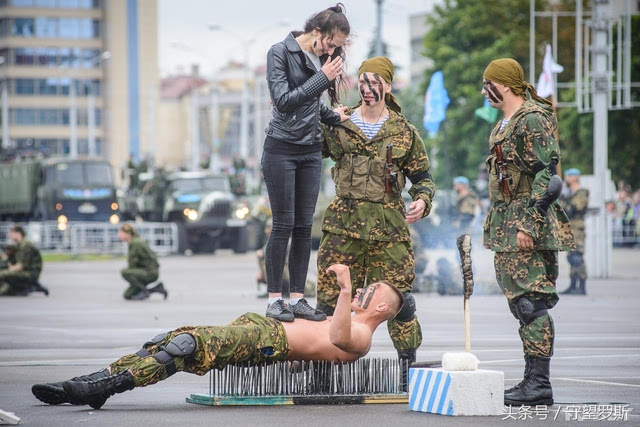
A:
{"x": 86, "y": 324}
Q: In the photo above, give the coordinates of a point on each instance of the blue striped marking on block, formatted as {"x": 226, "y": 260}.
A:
{"x": 429, "y": 391}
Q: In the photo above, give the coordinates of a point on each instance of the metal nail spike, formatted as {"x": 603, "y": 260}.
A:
{"x": 286, "y": 378}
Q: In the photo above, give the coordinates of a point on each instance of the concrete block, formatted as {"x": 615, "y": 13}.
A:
{"x": 454, "y": 393}
{"x": 8, "y": 418}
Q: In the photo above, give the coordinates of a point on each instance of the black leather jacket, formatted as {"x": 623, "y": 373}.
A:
{"x": 295, "y": 88}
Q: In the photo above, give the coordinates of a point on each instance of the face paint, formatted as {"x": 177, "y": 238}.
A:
{"x": 370, "y": 290}
{"x": 362, "y": 94}
{"x": 376, "y": 95}
{"x": 492, "y": 91}
{"x": 377, "y": 77}
{"x": 496, "y": 92}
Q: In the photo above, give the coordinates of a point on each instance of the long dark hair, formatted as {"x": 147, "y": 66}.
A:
{"x": 329, "y": 22}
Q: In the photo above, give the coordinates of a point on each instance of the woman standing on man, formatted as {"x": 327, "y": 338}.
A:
{"x": 299, "y": 69}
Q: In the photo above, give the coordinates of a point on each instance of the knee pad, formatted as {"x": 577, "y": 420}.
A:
{"x": 512, "y": 308}
{"x": 181, "y": 346}
{"x": 575, "y": 259}
{"x": 143, "y": 352}
{"x": 528, "y": 310}
{"x": 408, "y": 308}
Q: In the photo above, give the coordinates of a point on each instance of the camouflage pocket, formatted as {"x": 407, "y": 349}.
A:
{"x": 375, "y": 189}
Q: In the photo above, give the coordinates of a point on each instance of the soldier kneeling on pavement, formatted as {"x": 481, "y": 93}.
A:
{"x": 142, "y": 268}
{"x": 23, "y": 266}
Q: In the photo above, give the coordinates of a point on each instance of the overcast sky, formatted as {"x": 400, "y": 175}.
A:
{"x": 184, "y": 37}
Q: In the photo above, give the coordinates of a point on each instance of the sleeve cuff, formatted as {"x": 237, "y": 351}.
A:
{"x": 317, "y": 84}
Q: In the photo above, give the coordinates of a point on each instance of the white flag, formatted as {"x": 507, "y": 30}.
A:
{"x": 546, "y": 82}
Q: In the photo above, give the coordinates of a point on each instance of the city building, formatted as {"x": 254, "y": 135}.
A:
{"x": 79, "y": 77}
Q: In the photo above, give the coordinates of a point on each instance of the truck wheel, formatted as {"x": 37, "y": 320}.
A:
{"x": 183, "y": 239}
{"x": 241, "y": 245}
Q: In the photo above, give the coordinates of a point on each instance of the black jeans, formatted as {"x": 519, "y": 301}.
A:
{"x": 293, "y": 182}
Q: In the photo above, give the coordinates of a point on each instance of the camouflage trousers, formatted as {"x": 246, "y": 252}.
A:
{"x": 250, "y": 338}
{"x": 138, "y": 280}
{"x": 532, "y": 274}
{"x": 577, "y": 270}
{"x": 369, "y": 262}
{"x": 15, "y": 282}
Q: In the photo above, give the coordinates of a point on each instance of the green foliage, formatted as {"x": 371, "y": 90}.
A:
{"x": 465, "y": 36}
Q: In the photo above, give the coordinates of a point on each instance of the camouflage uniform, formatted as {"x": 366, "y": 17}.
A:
{"x": 142, "y": 267}
{"x": 528, "y": 148}
{"x": 575, "y": 205}
{"x": 465, "y": 212}
{"x": 365, "y": 228}
{"x": 19, "y": 282}
{"x": 250, "y": 338}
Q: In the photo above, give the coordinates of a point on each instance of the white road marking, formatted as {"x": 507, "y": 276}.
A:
{"x": 597, "y": 382}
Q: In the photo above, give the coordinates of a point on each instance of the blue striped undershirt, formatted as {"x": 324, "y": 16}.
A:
{"x": 369, "y": 129}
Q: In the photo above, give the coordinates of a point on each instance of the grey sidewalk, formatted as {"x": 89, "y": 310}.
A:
{"x": 86, "y": 324}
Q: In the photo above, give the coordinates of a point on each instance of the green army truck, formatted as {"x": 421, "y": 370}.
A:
{"x": 58, "y": 189}
{"x": 209, "y": 216}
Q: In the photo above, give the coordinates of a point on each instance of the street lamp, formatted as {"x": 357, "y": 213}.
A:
{"x": 5, "y": 109}
{"x": 244, "y": 100}
{"x": 91, "y": 118}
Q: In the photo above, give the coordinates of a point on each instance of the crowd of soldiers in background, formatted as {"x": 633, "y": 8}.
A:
{"x": 457, "y": 210}
{"x": 626, "y": 214}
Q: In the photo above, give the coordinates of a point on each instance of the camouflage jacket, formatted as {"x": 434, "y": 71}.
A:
{"x": 528, "y": 147}
{"x": 29, "y": 257}
{"x": 141, "y": 256}
{"x": 576, "y": 205}
{"x": 384, "y": 221}
{"x": 466, "y": 206}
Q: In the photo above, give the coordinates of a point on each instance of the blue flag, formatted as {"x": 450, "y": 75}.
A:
{"x": 436, "y": 101}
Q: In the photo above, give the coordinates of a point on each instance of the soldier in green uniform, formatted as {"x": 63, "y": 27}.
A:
{"x": 251, "y": 338}
{"x": 575, "y": 203}
{"x": 142, "y": 267}
{"x": 466, "y": 205}
{"x": 23, "y": 269}
{"x": 525, "y": 227}
{"x": 366, "y": 226}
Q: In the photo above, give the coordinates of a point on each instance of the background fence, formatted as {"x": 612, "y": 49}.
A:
{"x": 95, "y": 238}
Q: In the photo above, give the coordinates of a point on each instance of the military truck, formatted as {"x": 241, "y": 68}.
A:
{"x": 58, "y": 189}
{"x": 209, "y": 216}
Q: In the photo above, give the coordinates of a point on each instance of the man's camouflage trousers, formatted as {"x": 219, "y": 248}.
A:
{"x": 250, "y": 338}
{"x": 532, "y": 274}
{"x": 370, "y": 261}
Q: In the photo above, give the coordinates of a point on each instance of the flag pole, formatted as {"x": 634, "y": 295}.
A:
{"x": 556, "y": 133}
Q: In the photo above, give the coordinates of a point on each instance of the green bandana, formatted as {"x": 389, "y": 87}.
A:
{"x": 383, "y": 67}
{"x": 508, "y": 72}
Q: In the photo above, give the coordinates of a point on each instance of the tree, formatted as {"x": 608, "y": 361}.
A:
{"x": 465, "y": 36}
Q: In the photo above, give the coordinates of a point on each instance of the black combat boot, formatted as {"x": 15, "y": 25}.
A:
{"x": 535, "y": 390}
{"x": 95, "y": 393}
{"x": 527, "y": 366}
{"x": 406, "y": 358}
{"x": 54, "y": 393}
{"x": 572, "y": 287}
{"x": 159, "y": 288}
{"x": 141, "y": 295}
{"x": 582, "y": 290}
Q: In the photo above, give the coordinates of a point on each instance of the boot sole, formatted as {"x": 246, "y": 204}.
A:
{"x": 50, "y": 394}
{"x": 546, "y": 402}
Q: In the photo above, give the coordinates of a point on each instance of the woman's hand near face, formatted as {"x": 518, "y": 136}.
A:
{"x": 332, "y": 68}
